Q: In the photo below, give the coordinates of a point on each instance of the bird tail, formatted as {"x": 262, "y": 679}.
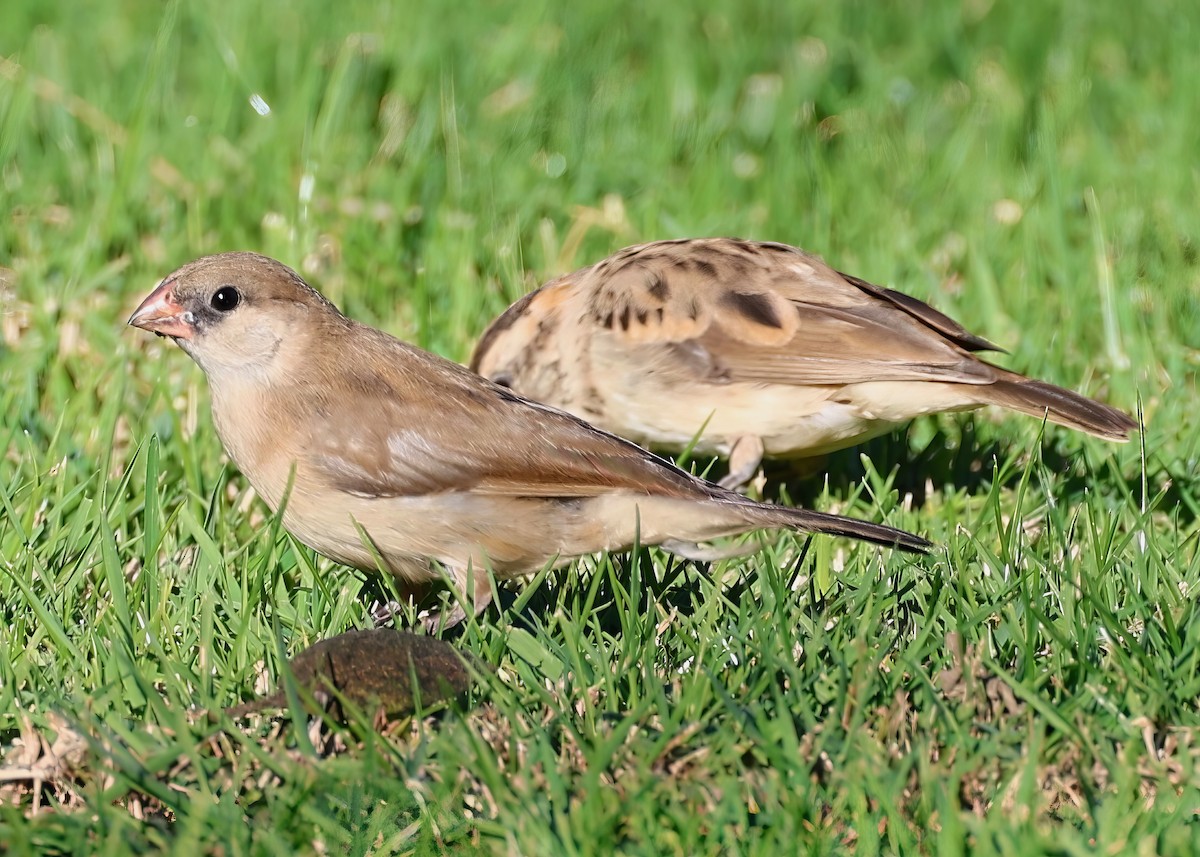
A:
{"x": 681, "y": 525}
{"x": 806, "y": 521}
{"x": 1039, "y": 399}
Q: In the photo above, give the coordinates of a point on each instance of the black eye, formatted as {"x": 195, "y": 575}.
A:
{"x": 504, "y": 380}
{"x": 226, "y": 298}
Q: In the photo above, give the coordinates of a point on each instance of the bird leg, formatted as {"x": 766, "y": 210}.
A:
{"x": 744, "y": 461}
{"x": 469, "y": 586}
{"x": 466, "y": 586}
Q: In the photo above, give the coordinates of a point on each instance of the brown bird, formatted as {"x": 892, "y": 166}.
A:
{"x": 390, "y": 456}
{"x": 751, "y": 349}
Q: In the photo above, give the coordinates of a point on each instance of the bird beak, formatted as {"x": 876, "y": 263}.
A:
{"x": 160, "y": 314}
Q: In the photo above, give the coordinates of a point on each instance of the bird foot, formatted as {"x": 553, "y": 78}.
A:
{"x": 744, "y": 461}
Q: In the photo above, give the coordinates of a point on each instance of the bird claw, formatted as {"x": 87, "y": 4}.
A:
{"x": 701, "y": 553}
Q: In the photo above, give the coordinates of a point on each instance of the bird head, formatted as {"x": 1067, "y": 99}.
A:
{"x": 232, "y": 311}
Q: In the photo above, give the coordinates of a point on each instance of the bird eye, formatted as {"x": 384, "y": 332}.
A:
{"x": 504, "y": 380}
{"x": 226, "y": 298}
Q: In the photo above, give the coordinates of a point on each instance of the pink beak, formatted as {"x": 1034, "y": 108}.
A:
{"x": 160, "y": 314}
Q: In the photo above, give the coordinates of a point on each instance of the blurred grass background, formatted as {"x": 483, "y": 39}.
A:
{"x": 1030, "y": 169}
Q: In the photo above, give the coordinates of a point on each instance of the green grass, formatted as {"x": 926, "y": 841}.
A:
{"x": 1030, "y": 688}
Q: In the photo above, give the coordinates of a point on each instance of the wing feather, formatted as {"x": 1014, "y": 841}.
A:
{"x": 739, "y": 311}
{"x": 392, "y": 442}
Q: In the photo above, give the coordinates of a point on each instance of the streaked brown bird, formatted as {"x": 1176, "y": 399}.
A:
{"x": 397, "y": 457}
{"x": 749, "y": 350}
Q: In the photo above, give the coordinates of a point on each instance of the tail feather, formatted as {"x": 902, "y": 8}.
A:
{"x": 1064, "y": 407}
{"x": 804, "y": 520}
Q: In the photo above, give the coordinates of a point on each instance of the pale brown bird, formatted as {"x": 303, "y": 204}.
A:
{"x": 392, "y": 456}
{"x": 750, "y": 350}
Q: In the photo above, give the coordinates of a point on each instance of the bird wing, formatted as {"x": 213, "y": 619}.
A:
{"x": 457, "y": 432}
{"x": 729, "y": 310}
